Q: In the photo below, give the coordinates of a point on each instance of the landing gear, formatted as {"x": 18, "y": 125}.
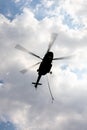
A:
{"x": 50, "y": 72}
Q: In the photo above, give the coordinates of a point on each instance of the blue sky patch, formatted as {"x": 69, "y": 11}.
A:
{"x": 79, "y": 73}
{"x": 1, "y": 82}
{"x": 34, "y": 3}
{"x": 69, "y": 21}
{"x": 7, "y": 126}
{"x": 9, "y": 9}
{"x": 64, "y": 67}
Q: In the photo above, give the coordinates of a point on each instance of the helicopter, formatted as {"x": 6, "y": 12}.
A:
{"x": 46, "y": 62}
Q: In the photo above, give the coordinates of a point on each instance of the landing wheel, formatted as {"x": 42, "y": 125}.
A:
{"x": 50, "y": 72}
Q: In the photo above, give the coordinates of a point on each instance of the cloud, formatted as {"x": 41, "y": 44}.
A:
{"x": 20, "y": 102}
{"x": 68, "y": 10}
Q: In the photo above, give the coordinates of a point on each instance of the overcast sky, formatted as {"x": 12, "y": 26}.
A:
{"x": 30, "y": 23}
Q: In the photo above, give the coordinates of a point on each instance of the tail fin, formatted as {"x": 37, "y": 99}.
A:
{"x": 37, "y": 83}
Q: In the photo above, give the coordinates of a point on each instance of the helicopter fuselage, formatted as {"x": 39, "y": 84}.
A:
{"x": 46, "y": 64}
{"x": 44, "y": 67}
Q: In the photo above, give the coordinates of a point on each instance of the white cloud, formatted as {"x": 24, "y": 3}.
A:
{"x": 19, "y": 101}
{"x": 76, "y": 10}
{"x": 47, "y": 3}
{"x": 17, "y": 1}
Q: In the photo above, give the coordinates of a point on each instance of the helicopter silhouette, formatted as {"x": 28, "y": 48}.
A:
{"x": 46, "y": 62}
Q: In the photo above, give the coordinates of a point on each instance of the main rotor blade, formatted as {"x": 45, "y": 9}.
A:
{"x": 26, "y": 70}
{"x": 62, "y": 58}
{"x": 21, "y": 48}
{"x": 53, "y": 38}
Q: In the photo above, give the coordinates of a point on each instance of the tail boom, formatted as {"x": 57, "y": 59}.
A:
{"x": 37, "y": 82}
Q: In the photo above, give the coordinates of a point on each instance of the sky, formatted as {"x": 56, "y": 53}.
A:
{"x": 31, "y": 23}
